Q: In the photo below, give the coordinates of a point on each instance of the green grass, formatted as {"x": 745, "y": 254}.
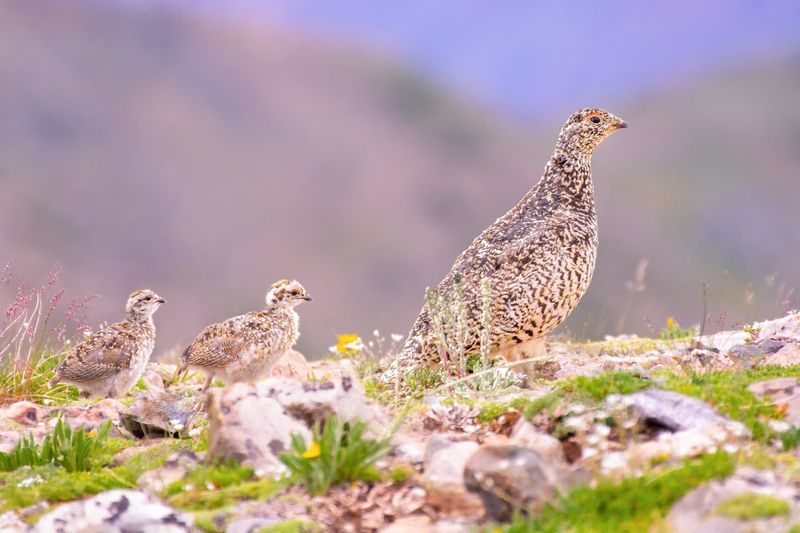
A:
{"x": 64, "y": 447}
{"x": 632, "y": 505}
{"x": 727, "y": 392}
{"x": 28, "y": 485}
{"x": 338, "y": 453}
{"x": 293, "y": 526}
{"x": 32, "y": 383}
{"x": 218, "y": 486}
{"x": 751, "y": 506}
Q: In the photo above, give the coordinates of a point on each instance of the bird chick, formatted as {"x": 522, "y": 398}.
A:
{"x": 538, "y": 258}
{"x": 109, "y": 362}
{"x": 245, "y": 347}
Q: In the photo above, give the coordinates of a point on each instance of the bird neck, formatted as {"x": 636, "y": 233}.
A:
{"x": 140, "y": 318}
{"x": 569, "y": 172}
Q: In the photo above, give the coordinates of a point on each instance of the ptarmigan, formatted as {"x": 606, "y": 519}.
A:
{"x": 245, "y": 347}
{"x": 111, "y": 360}
{"x": 538, "y": 258}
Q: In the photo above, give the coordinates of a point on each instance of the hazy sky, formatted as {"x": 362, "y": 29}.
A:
{"x": 531, "y": 56}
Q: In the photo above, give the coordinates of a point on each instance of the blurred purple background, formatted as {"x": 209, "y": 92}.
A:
{"x": 207, "y": 149}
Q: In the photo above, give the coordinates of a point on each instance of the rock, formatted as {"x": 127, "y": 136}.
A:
{"x": 152, "y": 379}
{"x": 249, "y": 426}
{"x": 115, "y": 511}
{"x": 723, "y": 341}
{"x": 526, "y": 435}
{"x": 11, "y": 523}
{"x": 423, "y": 524}
{"x": 410, "y": 524}
{"x": 677, "y": 412}
{"x": 129, "y": 453}
{"x": 783, "y": 391}
{"x": 176, "y": 468}
{"x": 90, "y": 417}
{"x": 313, "y": 401}
{"x": 445, "y": 460}
{"x": 24, "y": 413}
{"x": 700, "y": 510}
{"x": 443, "y": 477}
{"x": 292, "y": 365}
{"x": 157, "y": 414}
{"x": 788, "y": 355}
{"x": 787, "y": 327}
{"x": 512, "y": 477}
{"x": 250, "y": 524}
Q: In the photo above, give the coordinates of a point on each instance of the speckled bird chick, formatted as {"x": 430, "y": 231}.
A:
{"x": 539, "y": 257}
{"x": 245, "y": 347}
{"x": 111, "y": 361}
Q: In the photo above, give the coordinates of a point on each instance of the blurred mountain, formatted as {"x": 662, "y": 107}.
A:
{"x": 207, "y": 159}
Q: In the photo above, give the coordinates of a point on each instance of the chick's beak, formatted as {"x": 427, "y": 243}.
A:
{"x": 621, "y": 124}
{"x": 161, "y": 301}
{"x": 307, "y": 298}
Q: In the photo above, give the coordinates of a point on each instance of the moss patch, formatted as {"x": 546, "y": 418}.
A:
{"x": 632, "y": 505}
{"x": 751, "y": 505}
{"x": 293, "y": 526}
{"x": 218, "y": 486}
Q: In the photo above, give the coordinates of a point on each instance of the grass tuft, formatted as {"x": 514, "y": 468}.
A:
{"x": 751, "y": 505}
{"x": 338, "y": 453}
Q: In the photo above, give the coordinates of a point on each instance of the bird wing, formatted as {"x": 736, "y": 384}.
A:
{"x": 221, "y": 344}
{"x": 104, "y": 354}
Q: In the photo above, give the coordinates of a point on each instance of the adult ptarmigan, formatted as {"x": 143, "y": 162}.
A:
{"x": 245, "y": 347}
{"x": 111, "y": 360}
{"x": 538, "y": 258}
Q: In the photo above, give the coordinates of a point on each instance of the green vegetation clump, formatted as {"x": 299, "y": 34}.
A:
{"x": 218, "y": 486}
{"x": 751, "y": 505}
{"x": 63, "y": 447}
{"x": 338, "y": 453}
{"x": 632, "y": 505}
{"x": 674, "y": 331}
{"x": 32, "y": 484}
{"x": 726, "y": 391}
{"x": 293, "y": 526}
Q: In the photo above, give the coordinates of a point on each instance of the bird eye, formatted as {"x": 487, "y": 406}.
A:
{"x": 595, "y": 119}
{"x": 149, "y": 298}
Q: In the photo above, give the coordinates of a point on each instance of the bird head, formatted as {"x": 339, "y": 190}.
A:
{"x": 586, "y": 128}
{"x": 287, "y": 293}
{"x": 143, "y": 303}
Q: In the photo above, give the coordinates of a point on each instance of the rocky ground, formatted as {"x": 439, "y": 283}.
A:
{"x": 629, "y": 434}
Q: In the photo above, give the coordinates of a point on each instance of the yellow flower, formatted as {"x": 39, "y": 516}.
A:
{"x": 671, "y": 323}
{"x": 312, "y": 451}
{"x": 347, "y": 342}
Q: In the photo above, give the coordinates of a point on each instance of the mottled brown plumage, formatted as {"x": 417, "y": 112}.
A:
{"x": 245, "y": 347}
{"x": 110, "y": 361}
{"x": 539, "y": 257}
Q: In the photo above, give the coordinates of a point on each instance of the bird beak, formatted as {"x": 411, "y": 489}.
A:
{"x": 307, "y": 298}
{"x": 621, "y": 124}
{"x": 161, "y": 301}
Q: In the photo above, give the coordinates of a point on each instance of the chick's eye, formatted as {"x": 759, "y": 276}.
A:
{"x": 595, "y": 120}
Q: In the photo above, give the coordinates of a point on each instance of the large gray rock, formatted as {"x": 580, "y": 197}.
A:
{"x": 249, "y": 426}
{"x": 677, "y": 412}
{"x": 508, "y": 477}
{"x": 115, "y": 511}
{"x": 158, "y": 414}
{"x": 313, "y": 401}
{"x": 700, "y": 510}
{"x": 445, "y": 460}
{"x": 443, "y": 477}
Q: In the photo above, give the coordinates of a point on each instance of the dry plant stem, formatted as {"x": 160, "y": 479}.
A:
{"x": 486, "y": 371}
